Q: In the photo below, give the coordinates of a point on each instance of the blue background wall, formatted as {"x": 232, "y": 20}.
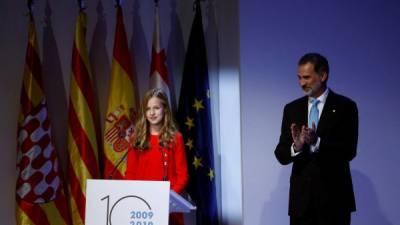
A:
{"x": 361, "y": 40}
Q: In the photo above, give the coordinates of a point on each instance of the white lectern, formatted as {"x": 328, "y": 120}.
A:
{"x": 120, "y": 202}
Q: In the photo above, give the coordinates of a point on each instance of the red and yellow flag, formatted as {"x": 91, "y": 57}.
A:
{"x": 39, "y": 188}
{"x": 121, "y": 108}
{"x": 83, "y": 148}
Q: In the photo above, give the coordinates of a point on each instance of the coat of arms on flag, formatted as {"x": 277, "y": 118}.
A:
{"x": 121, "y": 128}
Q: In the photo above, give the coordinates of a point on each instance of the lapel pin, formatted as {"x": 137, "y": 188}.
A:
{"x": 333, "y": 110}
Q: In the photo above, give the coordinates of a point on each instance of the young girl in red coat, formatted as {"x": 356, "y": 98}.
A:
{"x": 158, "y": 148}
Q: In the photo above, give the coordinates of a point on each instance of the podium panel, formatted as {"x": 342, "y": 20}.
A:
{"x": 124, "y": 202}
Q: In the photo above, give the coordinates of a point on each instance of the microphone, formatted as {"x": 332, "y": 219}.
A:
{"x": 111, "y": 175}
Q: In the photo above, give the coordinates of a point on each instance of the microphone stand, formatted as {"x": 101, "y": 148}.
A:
{"x": 110, "y": 176}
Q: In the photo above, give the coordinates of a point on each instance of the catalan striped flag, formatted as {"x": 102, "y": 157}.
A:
{"x": 121, "y": 108}
{"x": 39, "y": 188}
{"x": 83, "y": 149}
{"x": 158, "y": 71}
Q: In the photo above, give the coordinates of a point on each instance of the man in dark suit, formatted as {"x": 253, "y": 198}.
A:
{"x": 319, "y": 136}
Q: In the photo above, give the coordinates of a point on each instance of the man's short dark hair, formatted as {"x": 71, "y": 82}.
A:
{"x": 319, "y": 61}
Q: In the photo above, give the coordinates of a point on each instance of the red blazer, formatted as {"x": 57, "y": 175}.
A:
{"x": 159, "y": 163}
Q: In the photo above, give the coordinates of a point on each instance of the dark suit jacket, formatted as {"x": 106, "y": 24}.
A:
{"x": 322, "y": 178}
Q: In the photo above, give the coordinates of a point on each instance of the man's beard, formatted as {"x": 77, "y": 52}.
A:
{"x": 311, "y": 91}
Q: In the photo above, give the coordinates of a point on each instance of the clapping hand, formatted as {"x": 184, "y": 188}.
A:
{"x": 299, "y": 135}
{"x": 310, "y": 135}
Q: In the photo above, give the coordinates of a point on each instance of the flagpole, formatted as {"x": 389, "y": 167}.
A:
{"x": 81, "y": 4}
{"x": 196, "y": 3}
{"x": 30, "y": 5}
{"x": 30, "y": 9}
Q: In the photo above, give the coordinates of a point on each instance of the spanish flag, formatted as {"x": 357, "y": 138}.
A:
{"x": 39, "y": 187}
{"x": 83, "y": 148}
{"x": 121, "y": 108}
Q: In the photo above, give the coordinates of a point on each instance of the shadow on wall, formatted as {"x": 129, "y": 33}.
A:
{"x": 138, "y": 49}
{"x": 100, "y": 64}
{"x": 175, "y": 54}
{"x": 100, "y": 68}
{"x": 275, "y": 211}
{"x": 138, "y": 34}
{"x": 53, "y": 85}
{"x": 368, "y": 211}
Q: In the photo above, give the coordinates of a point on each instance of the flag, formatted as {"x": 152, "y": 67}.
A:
{"x": 158, "y": 69}
{"x": 83, "y": 148}
{"x": 121, "y": 104}
{"x": 39, "y": 187}
{"x": 194, "y": 115}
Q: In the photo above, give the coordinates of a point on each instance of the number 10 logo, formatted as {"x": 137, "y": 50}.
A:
{"x": 130, "y": 210}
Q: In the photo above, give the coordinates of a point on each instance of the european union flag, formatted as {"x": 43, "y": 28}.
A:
{"x": 194, "y": 115}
